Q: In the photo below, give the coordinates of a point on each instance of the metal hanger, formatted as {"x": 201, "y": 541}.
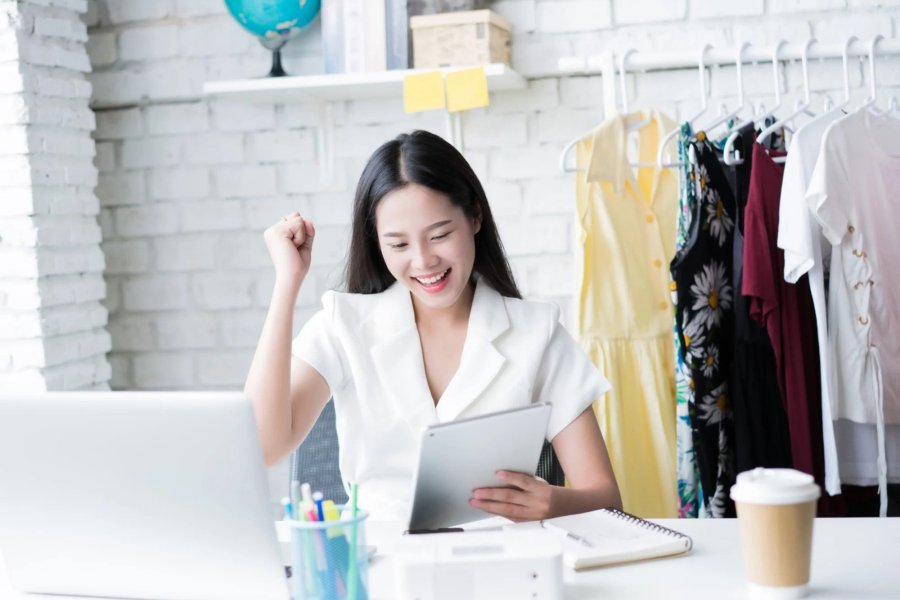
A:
{"x": 564, "y": 154}
{"x": 727, "y": 117}
{"x": 802, "y": 108}
{"x": 892, "y": 103}
{"x": 630, "y": 125}
{"x": 563, "y": 165}
{"x": 701, "y": 69}
{"x": 623, "y": 88}
{"x": 845, "y": 61}
{"x": 871, "y": 101}
{"x": 731, "y": 157}
{"x": 829, "y": 104}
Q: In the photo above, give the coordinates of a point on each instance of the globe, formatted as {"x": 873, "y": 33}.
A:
{"x": 274, "y": 22}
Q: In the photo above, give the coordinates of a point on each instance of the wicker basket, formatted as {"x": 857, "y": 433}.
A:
{"x": 473, "y": 37}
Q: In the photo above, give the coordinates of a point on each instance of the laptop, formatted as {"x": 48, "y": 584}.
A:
{"x": 157, "y": 495}
{"x": 456, "y": 457}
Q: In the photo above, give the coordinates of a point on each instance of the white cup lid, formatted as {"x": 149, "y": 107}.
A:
{"x": 774, "y": 486}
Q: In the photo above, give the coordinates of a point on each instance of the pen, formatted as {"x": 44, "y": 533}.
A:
{"x": 288, "y": 509}
{"x": 566, "y": 532}
{"x": 303, "y": 501}
{"x": 336, "y": 548}
{"x": 352, "y": 585}
{"x": 295, "y": 497}
{"x": 323, "y": 564}
{"x": 318, "y": 498}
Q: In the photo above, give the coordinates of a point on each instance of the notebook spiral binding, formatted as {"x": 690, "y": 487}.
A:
{"x": 643, "y": 523}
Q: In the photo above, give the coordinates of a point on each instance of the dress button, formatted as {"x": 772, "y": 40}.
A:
{"x": 858, "y": 285}
{"x": 657, "y": 263}
{"x": 851, "y": 228}
{"x": 864, "y": 320}
{"x": 649, "y": 218}
{"x": 663, "y": 305}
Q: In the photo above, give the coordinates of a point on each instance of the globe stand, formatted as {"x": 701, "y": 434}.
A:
{"x": 275, "y": 45}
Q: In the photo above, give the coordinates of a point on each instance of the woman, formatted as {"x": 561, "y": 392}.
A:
{"x": 432, "y": 328}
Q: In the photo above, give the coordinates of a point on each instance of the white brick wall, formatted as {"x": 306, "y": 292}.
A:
{"x": 129, "y": 11}
{"x": 149, "y": 43}
{"x": 54, "y": 327}
{"x": 713, "y": 9}
{"x": 188, "y": 184}
{"x": 567, "y": 16}
{"x": 649, "y": 11}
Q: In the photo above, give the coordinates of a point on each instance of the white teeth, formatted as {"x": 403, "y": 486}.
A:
{"x": 431, "y": 280}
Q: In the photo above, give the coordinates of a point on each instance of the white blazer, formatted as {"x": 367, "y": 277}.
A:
{"x": 367, "y": 347}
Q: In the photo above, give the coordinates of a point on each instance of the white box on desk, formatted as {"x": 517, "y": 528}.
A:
{"x": 479, "y": 565}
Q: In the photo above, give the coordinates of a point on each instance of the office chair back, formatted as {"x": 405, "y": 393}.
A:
{"x": 316, "y": 460}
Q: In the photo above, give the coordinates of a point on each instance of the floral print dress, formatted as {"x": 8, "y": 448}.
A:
{"x": 702, "y": 274}
{"x": 689, "y": 488}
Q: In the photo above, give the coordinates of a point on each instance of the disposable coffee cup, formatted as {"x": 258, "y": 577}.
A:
{"x": 776, "y": 509}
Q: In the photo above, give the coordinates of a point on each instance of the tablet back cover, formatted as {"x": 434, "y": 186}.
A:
{"x": 457, "y": 457}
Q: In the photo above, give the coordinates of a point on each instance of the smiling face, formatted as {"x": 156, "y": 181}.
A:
{"x": 428, "y": 245}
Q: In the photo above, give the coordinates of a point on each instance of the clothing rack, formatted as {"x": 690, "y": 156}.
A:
{"x": 631, "y": 60}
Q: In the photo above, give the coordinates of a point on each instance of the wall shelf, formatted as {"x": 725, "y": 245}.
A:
{"x": 328, "y": 89}
{"x": 342, "y": 86}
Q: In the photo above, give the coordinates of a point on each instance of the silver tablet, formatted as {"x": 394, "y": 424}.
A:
{"x": 459, "y": 456}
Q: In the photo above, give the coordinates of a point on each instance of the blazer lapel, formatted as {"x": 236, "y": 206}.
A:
{"x": 481, "y": 361}
{"x": 398, "y": 358}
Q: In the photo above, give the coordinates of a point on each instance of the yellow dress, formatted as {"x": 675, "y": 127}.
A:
{"x": 627, "y": 224}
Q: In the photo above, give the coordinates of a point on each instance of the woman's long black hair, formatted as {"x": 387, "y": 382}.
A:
{"x": 423, "y": 158}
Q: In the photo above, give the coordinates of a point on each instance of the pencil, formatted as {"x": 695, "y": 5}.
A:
{"x": 352, "y": 586}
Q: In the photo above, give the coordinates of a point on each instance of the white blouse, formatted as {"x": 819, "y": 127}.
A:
{"x": 851, "y": 452}
{"x": 801, "y": 238}
{"x": 367, "y": 348}
{"x": 853, "y": 195}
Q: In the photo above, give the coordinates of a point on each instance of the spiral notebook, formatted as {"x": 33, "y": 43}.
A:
{"x": 609, "y": 536}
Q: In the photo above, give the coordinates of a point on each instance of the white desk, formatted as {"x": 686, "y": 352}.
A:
{"x": 852, "y": 558}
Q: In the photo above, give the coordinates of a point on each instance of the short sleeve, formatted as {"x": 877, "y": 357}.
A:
{"x": 566, "y": 379}
{"x": 829, "y": 187}
{"x": 318, "y": 345}
{"x": 794, "y": 226}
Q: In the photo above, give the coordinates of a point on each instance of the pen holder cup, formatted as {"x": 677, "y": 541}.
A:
{"x": 329, "y": 560}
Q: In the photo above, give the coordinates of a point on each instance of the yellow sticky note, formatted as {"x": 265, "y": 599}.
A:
{"x": 466, "y": 90}
{"x": 423, "y": 91}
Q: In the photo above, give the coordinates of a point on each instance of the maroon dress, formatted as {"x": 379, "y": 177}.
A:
{"x": 786, "y": 311}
